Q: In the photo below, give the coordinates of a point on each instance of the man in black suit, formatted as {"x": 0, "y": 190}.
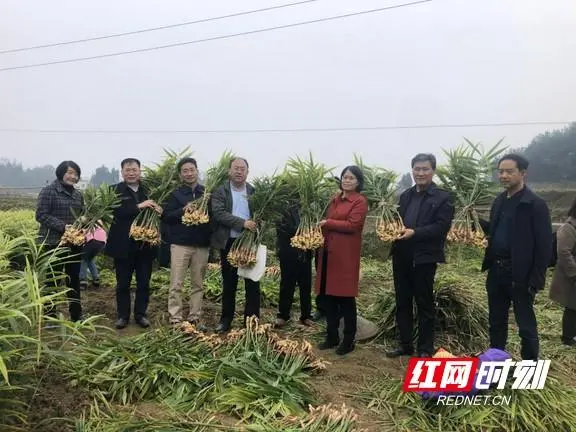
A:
{"x": 517, "y": 257}
{"x": 295, "y": 269}
{"x": 427, "y": 213}
{"x": 131, "y": 256}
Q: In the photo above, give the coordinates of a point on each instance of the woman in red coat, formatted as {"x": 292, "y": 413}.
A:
{"x": 339, "y": 264}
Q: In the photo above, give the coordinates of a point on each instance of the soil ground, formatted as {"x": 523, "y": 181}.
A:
{"x": 343, "y": 377}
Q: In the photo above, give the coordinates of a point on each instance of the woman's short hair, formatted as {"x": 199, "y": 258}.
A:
{"x": 64, "y": 166}
{"x": 357, "y": 172}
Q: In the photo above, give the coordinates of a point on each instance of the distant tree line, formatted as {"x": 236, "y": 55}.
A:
{"x": 13, "y": 174}
{"x": 552, "y": 156}
{"x": 105, "y": 175}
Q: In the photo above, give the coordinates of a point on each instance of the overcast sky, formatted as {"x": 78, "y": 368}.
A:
{"x": 442, "y": 62}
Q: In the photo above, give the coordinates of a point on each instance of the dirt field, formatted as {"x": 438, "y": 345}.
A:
{"x": 344, "y": 376}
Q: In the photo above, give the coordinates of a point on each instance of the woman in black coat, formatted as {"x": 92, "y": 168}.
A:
{"x": 57, "y": 205}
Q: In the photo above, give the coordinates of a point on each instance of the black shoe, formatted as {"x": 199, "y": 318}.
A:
{"x": 82, "y": 317}
{"x": 198, "y": 325}
{"x": 222, "y": 328}
{"x": 399, "y": 352}
{"x": 317, "y": 316}
{"x": 96, "y": 283}
{"x": 568, "y": 342}
{"x": 281, "y": 322}
{"x": 143, "y": 322}
{"x": 202, "y": 328}
{"x": 307, "y": 322}
{"x": 327, "y": 344}
{"x": 83, "y": 285}
{"x": 121, "y": 323}
{"x": 424, "y": 354}
{"x": 345, "y": 348}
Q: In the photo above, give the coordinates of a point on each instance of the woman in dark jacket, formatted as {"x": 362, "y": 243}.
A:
{"x": 563, "y": 288}
{"x": 57, "y": 204}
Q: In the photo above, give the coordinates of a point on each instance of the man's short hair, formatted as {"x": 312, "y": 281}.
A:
{"x": 521, "y": 162}
{"x": 425, "y": 157}
{"x": 185, "y": 161}
{"x": 238, "y": 158}
{"x": 130, "y": 161}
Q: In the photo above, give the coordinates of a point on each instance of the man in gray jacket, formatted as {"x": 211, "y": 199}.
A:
{"x": 230, "y": 214}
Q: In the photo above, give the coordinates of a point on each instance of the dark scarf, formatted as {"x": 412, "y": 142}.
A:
{"x": 68, "y": 188}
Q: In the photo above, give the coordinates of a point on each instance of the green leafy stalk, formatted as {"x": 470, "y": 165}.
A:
{"x": 312, "y": 187}
{"x": 265, "y": 203}
{"x": 23, "y": 340}
{"x": 159, "y": 181}
{"x": 468, "y": 175}
{"x": 218, "y": 172}
{"x": 379, "y": 190}
{"x": 215, "y": 176}
{"x": 99, "y": 205}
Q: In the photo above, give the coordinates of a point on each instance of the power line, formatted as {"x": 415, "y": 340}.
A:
{"x": 146, "y": 30}
{"x": 228, "y": 36}
{"x": 296, "y": 130}
{"x": 20, "y": 187}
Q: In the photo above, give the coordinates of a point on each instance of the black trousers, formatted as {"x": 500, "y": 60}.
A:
{"x": 502, "y": 292}
{"x": 415, "y": 282}
{"x": 70, "y": 267}
{"x": 91, "y": 249}
{"x": 295, "y": 270}
{"x": 141, "y": 264}
{"x": 321, "y": 304}
{"x": 335, "y": 308}
{"x": 568, "y": 325}
{"x": 164, "y": 255}
{"x": 230, "y": 286}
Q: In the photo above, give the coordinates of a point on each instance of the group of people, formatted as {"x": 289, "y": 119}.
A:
{"x": 519, "y": 252}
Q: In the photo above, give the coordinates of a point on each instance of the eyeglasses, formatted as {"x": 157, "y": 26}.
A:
{"x": 422, "y": 169}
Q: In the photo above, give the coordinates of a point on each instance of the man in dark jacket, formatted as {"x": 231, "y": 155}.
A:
{"x": 517, "y": 257}
{"x": 131, "y": 256}
{"x": 295, "y": 268}
{"x": 189, "y": 245}
{"x": 427, "y": 213}
{"x": 230, "y": 214}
